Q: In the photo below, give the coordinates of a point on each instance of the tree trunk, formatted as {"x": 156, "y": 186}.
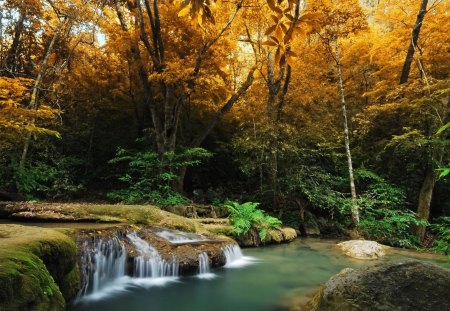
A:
{"x": 425, "y": 196}
{"x": 414, "y": 38}
{"x": 11, "y": 58}
{"x": 34, "y": 105}
{"x": 355, "y": 210}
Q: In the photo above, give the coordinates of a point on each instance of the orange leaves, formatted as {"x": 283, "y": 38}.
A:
{"x": 14, "y": 115}
{"x": 288, "y": 23}
{"x": 198, "y": 10}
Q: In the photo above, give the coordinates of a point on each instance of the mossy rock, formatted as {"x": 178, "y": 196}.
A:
{"x": 74, "y": 212}
{"x": 38, "y": 268}
{"x": 401, "y": 285}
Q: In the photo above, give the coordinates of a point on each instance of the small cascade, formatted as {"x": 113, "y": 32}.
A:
{"x": 101, "y": 263}
{"x": 178, "y": 237}
{"x": 204, "y": 270}
{"x": 234, "y": 257}
{"x": 203, "y": 263}
{"x": 150, "y": 264}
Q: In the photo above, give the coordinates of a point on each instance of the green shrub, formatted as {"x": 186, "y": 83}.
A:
{"x": 383, "y": 215}
{"x": 148, "y": 177}
{"x": 442, "y": 240}
{"x": 52, "y": 180}
{"x": 389, "y": 226}
{"x": 246, "y": 218}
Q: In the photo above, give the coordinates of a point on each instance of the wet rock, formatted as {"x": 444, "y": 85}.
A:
{"x": 185, "y": 251}
{"x": 402, "y": 286}
{"x": 362, "y": 249}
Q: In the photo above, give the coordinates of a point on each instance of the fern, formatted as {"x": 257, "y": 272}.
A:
{"x": 246, "y": 217}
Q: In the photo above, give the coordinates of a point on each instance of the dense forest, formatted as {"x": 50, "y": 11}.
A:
{"x": 328, "y": 113}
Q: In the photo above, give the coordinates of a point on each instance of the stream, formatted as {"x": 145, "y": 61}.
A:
{"x": 264, "y": 279}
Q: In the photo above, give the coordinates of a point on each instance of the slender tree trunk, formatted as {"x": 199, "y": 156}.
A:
{"x": 355, "y": 210}
{"x": 34, "y": 105}
{"x": 425, "y": 196}
{"x": 414, "y": 38}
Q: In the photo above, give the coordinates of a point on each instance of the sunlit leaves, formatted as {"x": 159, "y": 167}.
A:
{"x": 198, "y": 10}
{"x": 14, "y": 114}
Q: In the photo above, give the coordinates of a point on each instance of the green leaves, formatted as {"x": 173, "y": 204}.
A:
{"x": 246, "y": 217}
{"x": 148, "y": 176}
{"x": 443, "y": 128}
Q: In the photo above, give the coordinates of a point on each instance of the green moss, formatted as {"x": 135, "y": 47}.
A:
{"x": 37, "y": 268}
{"x": 220, "y": 229}
{"x": 131, "y": 214}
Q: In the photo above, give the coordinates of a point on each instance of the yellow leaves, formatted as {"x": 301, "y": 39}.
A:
{"x": 14, "y": 114}
{"x": 198, "y": 11}
{"x": 185, "y": 11}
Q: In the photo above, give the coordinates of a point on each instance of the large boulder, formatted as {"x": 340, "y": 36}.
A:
{"x": 400, "y": 285}
{"x": 38, "y": 268}
{"x": 363, "y": 249}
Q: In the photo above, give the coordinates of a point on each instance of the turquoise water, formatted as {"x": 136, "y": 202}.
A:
{"x": 264, "y": 284}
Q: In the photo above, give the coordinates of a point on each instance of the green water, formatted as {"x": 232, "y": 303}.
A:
{"x": 264, "y": 285}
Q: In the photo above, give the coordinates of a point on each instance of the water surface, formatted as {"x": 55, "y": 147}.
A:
{"x": 262, "y": 282}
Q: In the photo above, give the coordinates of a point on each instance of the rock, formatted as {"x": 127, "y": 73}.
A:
{"x": 38, "y": 268}
{"x": 401, "y": 286}
{"x": 310, "y": 225}
{"x": 362, "y": 249}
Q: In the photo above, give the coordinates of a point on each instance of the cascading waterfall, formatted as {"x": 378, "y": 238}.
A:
{"x": 150, "y": 264}
{"x": 203, "y": 263}
{"x": 232, "y": 253}
{"x": 234, "y": 257}
{"x": 101, "y": 264}
{"x": 104, "y": 266}
{"x": 204, "y": 270}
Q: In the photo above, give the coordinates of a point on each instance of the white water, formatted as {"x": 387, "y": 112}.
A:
{"x": 104, "y": 268}
{"x": 235, "y": 258}
{"x": 178, "y": 237}
{"x": 149, "y": 263}
{"x": 102, "y": 264}
{"x": 204, "y": 270}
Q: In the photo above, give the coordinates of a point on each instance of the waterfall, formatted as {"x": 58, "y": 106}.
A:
{"x": 102, "y": 263}
{"x": 204, "y": 270}
{"x": 104, "y": 266}
{"x": 203, "y": 263}
{"x": 234, "y": 257}
{"x": 232, "y": 253}
{"x": 150, "y": 264}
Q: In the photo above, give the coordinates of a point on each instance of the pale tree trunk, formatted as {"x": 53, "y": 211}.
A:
{"x": 34, "y": 104}
{"x": 414, "y": 38}
{"x": 355, "y": 210}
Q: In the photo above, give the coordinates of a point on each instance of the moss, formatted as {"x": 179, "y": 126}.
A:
{"x": 37, "y": 268}
{"x": 219, "y": 229}
{"x": 289, "y": 234}
{"x": 131, "y": 214}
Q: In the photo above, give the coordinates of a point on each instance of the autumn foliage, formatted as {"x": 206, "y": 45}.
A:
{"x": 255, "y": 82}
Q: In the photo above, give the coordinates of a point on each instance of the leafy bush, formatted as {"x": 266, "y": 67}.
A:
{"x": 246, "y": 218}
{"x": 383, "y": 216}
{"x": 149, "y": 177}
{"x": 389, "y": 226}
{"x": 48, "y": 180}
{"x": 442, "y": 230}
